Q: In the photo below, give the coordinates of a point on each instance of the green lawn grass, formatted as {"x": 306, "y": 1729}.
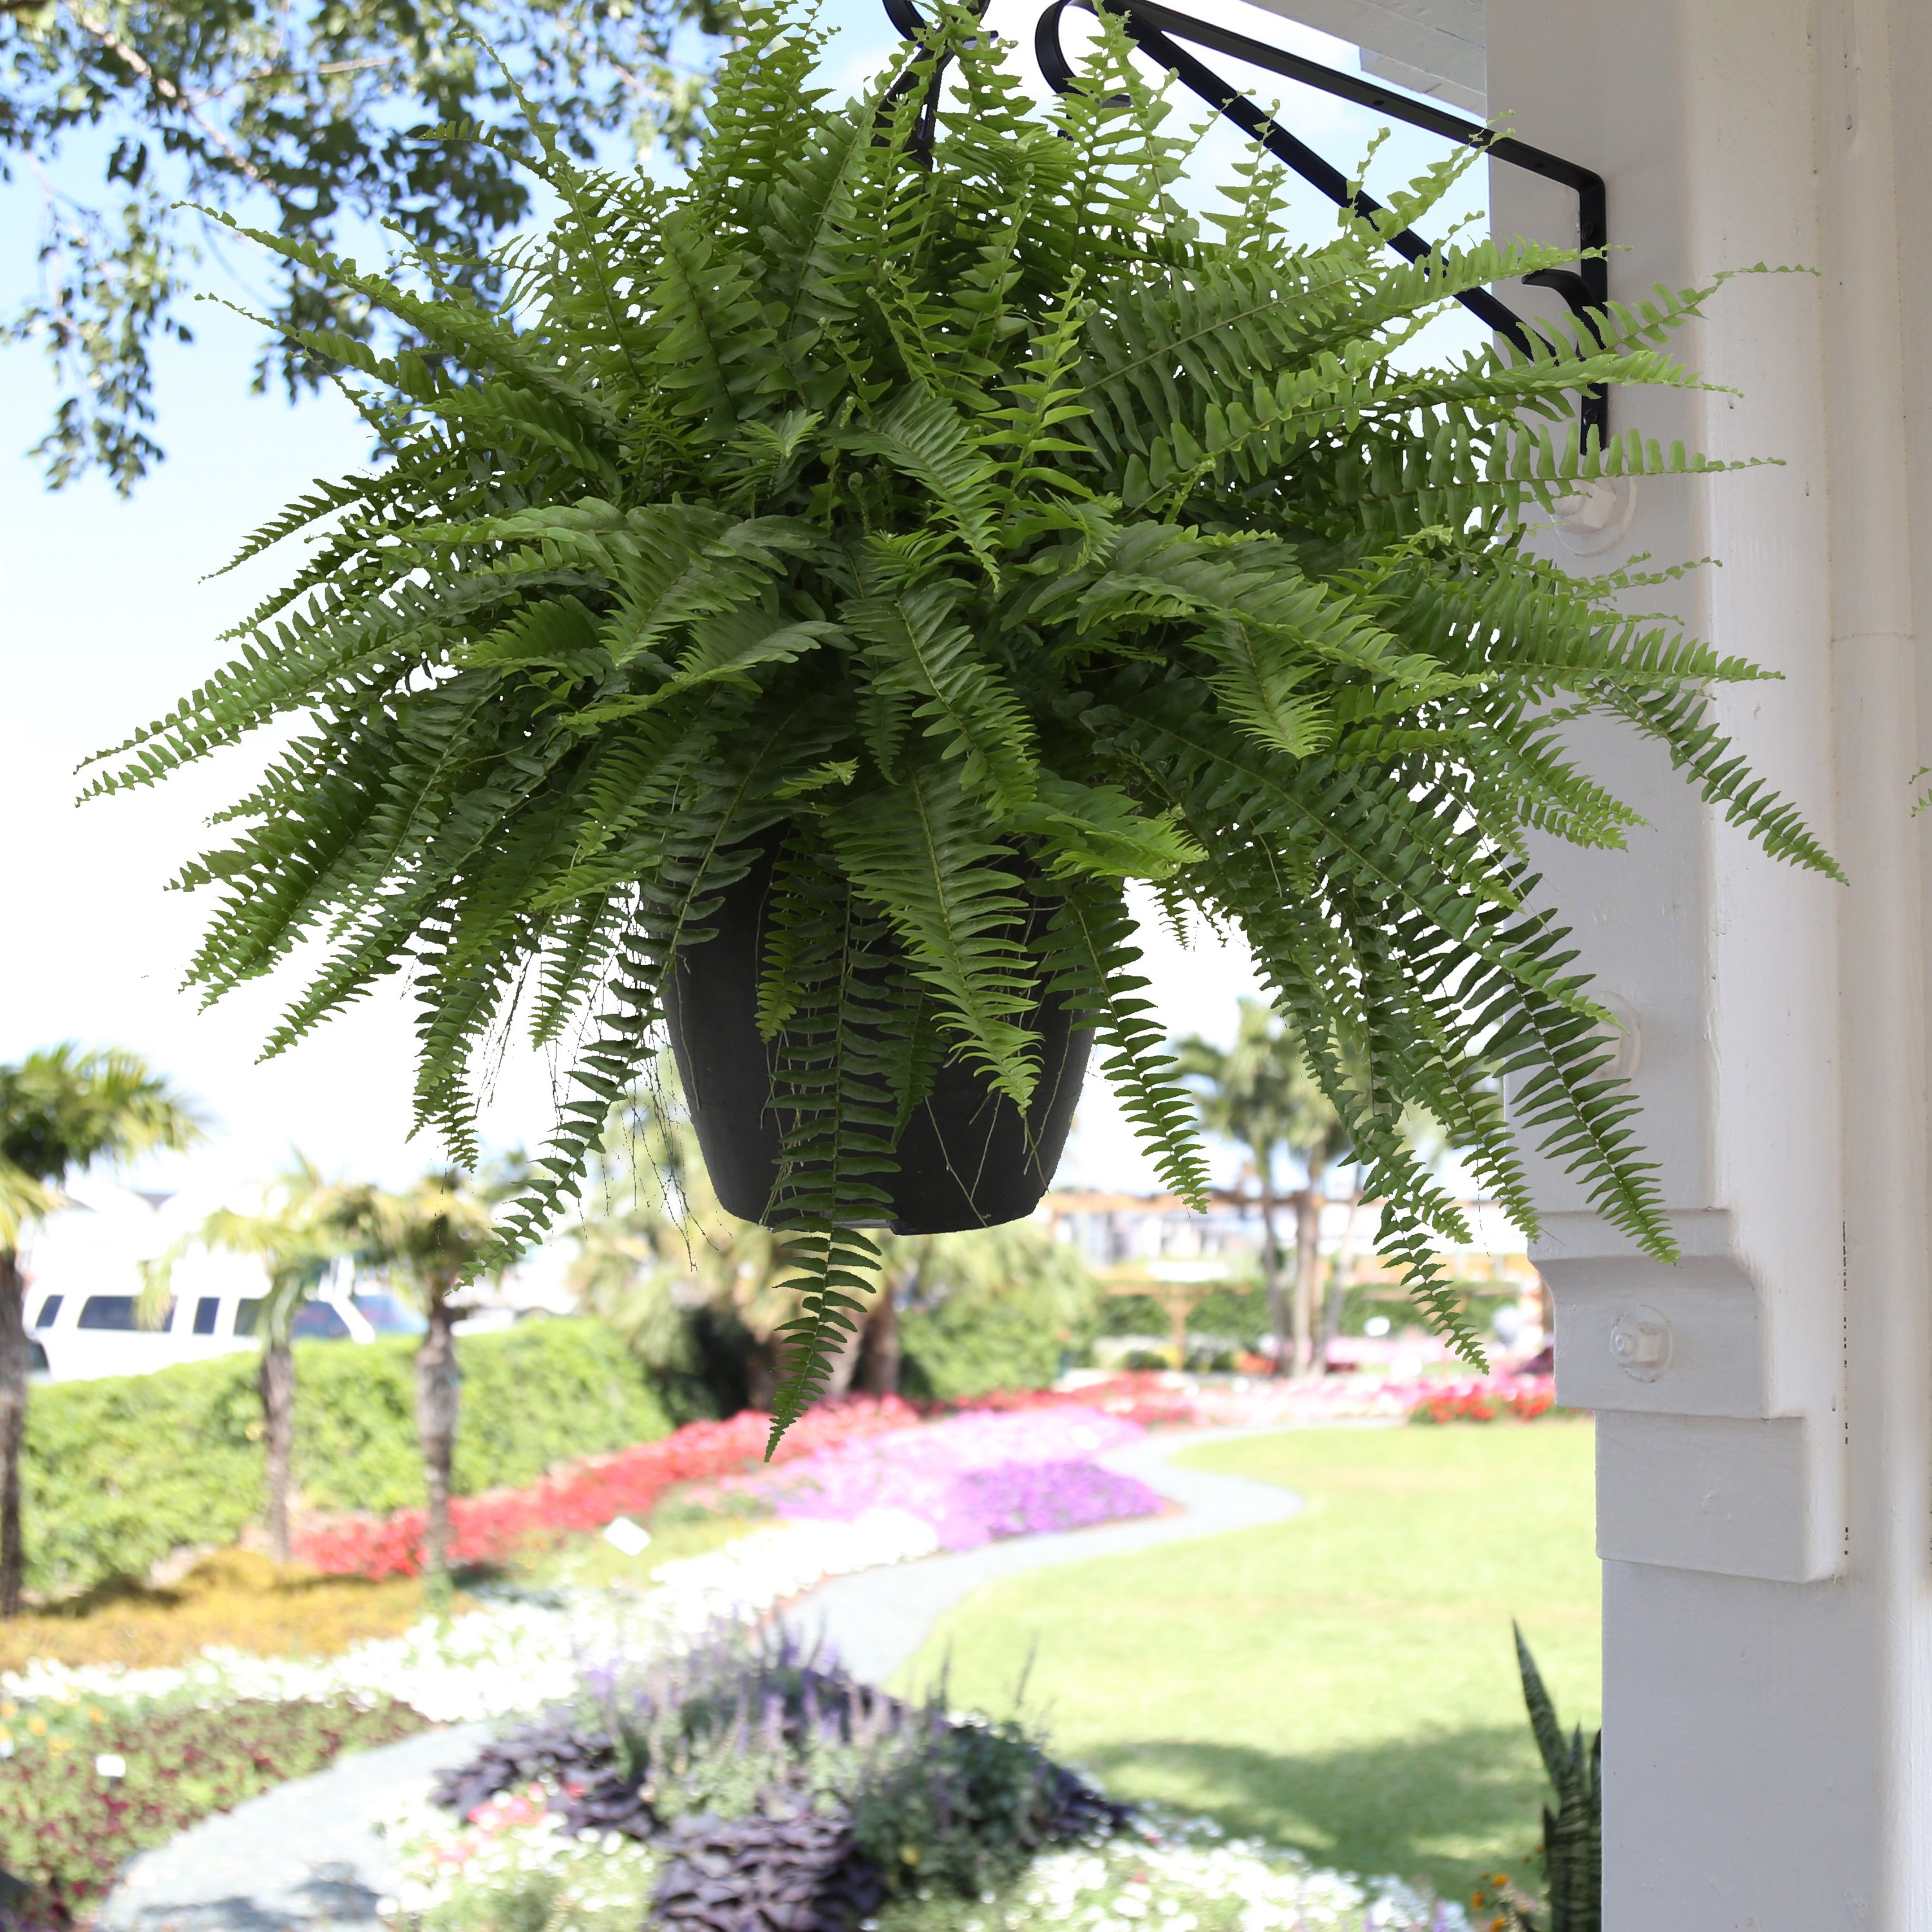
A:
{"x": 1346, "y": 1682}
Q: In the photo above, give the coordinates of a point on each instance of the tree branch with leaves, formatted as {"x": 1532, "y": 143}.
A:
{"x": 320, "y": 121}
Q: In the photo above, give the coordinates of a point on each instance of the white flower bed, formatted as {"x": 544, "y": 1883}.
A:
{"x": 1192, "y": 1880}
{"x": 514, "y": 1655}
{"x": 518, "y": 1849}
{"x": 1184, "y": 1876}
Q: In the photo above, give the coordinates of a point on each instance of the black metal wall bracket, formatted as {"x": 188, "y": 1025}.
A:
{"x": 1157, "y": 30}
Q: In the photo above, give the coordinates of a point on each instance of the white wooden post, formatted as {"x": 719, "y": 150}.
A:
{"x": 1765, "y": 1489}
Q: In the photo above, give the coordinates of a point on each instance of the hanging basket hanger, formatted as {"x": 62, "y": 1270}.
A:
{"x": 1157, "y": 31}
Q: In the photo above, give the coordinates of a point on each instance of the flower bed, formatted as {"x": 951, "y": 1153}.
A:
{"x": 587, "y": 1495}
{"x": 87, "y": 1785}
{"x": 1162, "y": 1397}
{"x": 1524, "y": 1399}
{"x": 828, "y": 1450}
{"x": 800, "y": 1798}
{"x": 515, "y": 1652}
{"x": 974, "y": 1477}
{"x": 233, "y": 1596}
{"x": 881, "y": 1496}
{"x": 1180, "y": 1873}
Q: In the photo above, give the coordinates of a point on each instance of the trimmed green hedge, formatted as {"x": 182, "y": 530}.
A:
{"x": 969, "y": 1346}
{"x": 119, "y": 1471}
{"x": 1014, "y": 1337}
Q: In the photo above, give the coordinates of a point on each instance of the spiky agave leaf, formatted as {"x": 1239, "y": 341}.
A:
{"x": 979, "y": 531}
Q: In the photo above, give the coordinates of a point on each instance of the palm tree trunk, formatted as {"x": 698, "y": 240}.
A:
{"x": 881, "y": 1372}
{"x": 1309, "y": 1204}
{"x": 1302, "y": 1347}
{"x": 277, "y": 1381}
{"x": 13, "y": 1427}
{"x": 439, "y": 1392}
{"x": 1342, "y": 1275}
{"x": 1277, "y": 1299}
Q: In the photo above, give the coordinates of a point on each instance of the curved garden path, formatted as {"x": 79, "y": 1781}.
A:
{"x": 305, "y": 1857}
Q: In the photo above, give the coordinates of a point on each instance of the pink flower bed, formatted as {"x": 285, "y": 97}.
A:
{"x": 974, "y": 1478}
{"x": 1152, "y": 1397}
{"x": 587, "y": 1495}
{"x": 1149, "y": 1398}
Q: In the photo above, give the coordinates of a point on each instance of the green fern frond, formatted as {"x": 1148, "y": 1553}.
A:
{"x": 1089, "y": 959}
{"x": 978, "y": 529}
{"x": 918, "y": 649}
{"x": 914, "y": 851}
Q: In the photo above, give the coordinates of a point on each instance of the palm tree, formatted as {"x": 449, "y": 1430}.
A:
{"x": 430, "y": 1239}
{"x": 61, "y": 1111}
{"x": 1259, "y": 1094}
{"x": 296, "y": 1243}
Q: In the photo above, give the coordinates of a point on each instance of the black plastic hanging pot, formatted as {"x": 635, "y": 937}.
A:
{"x": 968, "y": 1158}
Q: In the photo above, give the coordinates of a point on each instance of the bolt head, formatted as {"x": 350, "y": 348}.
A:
{"x": 1641, "y": 1343}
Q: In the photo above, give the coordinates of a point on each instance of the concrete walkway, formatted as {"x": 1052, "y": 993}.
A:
{"x": 304, "y": 1857}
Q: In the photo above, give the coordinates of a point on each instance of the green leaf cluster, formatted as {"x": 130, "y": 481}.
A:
{"x": 1573, "y": 1833}
{"x": 970, "y": 522}
{"x": 310, "y": 116}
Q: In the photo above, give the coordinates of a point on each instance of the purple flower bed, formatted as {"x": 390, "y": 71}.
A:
{"x": 974, "y": 1477}
{"x": 1019, "y": 1498}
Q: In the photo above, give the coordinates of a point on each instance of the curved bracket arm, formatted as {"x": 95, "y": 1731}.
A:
{"x": 1157, "y": 30}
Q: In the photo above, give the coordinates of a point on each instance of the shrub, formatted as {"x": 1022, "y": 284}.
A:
{"x": 1478, "y": 1300}
{"x": 785, "y": 1865}
{"x": 542, "y": 1393}
{"x": 968, "y": 1347}
{"x": 775, "y": 1785}
{"x": 999, "y": 1308}
{"x": 118, "y": 1472}
{"x": 1235, "y": 1310}
{"x": 67, "y": 1824}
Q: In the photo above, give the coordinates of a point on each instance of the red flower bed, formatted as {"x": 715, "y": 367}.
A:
{"x": 586, "y": 1494}
{"x": 1522, "y": 1398}
{"x": 1141, "y": 1396}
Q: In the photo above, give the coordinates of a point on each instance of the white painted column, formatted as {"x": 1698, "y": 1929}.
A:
{"x": 1764, "y": 1501}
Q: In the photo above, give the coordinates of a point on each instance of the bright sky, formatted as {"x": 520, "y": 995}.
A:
{"x": 106, "y": 617}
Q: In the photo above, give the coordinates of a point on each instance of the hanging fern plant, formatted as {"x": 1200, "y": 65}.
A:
{"x": 960, "y": 528}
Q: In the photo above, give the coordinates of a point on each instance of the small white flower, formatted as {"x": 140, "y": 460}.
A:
{"x": 110, "y": 1764}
